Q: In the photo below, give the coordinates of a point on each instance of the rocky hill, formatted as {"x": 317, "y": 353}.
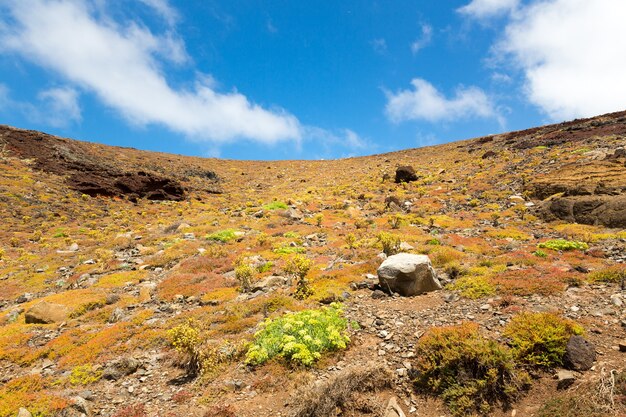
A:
{"x": 146, "y": 284}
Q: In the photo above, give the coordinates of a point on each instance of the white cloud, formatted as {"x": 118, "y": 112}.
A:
{"x": 423, "y": 40}
{"x": 120, "y": 65}
{"x": 60, "y": 106}
{"x": 425, "y": 102}
{"x": 482, "y": 9}
{"x": 164, "y": 9}
{"x": 57, "y": 107}
{"x": 572, "y": 53}
{"x": 344, "y": 138}
{"x": 379, "y": 45}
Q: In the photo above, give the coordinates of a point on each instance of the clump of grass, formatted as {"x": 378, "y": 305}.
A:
{"x": 540, "y": 339}
{"x": 563, "y": 245}
{"x": 223, "y": 236}
{"x": 300, "y": 338}
{"x": 275, "y": 205}
{"x": 468, "y": 371}
{"x": 85, "y": 375}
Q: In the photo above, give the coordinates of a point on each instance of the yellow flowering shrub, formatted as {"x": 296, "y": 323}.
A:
{"x": 300, "y": 337}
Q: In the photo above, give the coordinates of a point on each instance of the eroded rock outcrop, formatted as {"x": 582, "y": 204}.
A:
{"x": 588, "y": 192}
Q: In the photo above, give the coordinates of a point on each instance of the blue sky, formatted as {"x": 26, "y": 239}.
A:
{"x": 305, "y": 80}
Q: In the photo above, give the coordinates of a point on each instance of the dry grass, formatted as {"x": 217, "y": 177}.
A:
{"x": 331, "y": 397}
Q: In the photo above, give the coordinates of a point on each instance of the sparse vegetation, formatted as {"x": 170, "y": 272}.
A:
{"x": 173, "y": 278}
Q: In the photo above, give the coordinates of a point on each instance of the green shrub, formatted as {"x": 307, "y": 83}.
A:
{"x": 276, "y": 205}
{"x": 185, "y": 338}
{"x": 562, "y": 245}
{"x": 288, "y": 250}
{"x": 244, "y": 274}
{"x": 473, "y": 287}
{"x": 540, "y": 338}
{"x": 540, "y": 254}
{"x": 222, "y": 235}
{"x": 298, "y": 267}
{"x": 390, "y": 243}
{"x": 199, "y": 357}
{"x": 84, "y": 375}
{"x": 468, "y": 371}
{"x": 300, "y": 338}
{"x": 396, "y": 221}
{"x": 611, "y": 274}
{"x": 264, "y": 267}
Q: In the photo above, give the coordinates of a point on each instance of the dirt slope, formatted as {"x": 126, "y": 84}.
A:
{"x": 126, "y": 245}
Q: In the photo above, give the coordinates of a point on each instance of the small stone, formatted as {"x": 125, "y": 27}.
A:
{"x": 616, "y": 300}
{"x": 574, "y": 308}
{"x": 393, "y": 409}
{"x": 378, "y": 294}
{"x": 24, "y": 413}
{"x": 622, "y": 346}
{"x": 73, "y": 247}
{"x": 565, "y": 379}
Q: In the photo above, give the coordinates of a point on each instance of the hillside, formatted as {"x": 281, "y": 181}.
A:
{"x": 133, "y": 283}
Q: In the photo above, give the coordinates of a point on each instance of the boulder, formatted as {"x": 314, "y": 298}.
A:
{"x": 579, "y": 354}
{"x": 45, "y": 313}
{"x": 405, "y": 174}
{"x": 408, "y": 274}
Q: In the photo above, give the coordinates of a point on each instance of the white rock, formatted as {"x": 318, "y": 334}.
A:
{"x": 408, "y": 274}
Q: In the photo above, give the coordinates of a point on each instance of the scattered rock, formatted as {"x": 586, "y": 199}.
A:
{"x": 565, "y": 379}
{"x": 24, "y": 413}
{"x": 116, "y": 315}
{"x": 405, "y": 174}
{"x": 45, "y": 313}
{"x": 112, "y": 299}
{"x": 616, "y": 300}
{"x": 408, "y": 274}
{"x": 580, "y": 354}
{"x": 269, "y": 283}
{"x": 393, "y": 409}
{"x": 378, "y": 294}
{"x": 81, "y": 405}
{"x": 622, "y": 346}
{"x": 120, "y": 368}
